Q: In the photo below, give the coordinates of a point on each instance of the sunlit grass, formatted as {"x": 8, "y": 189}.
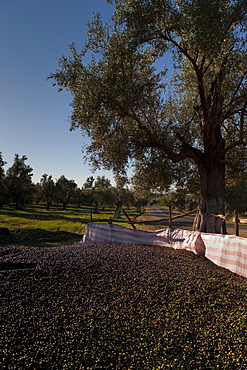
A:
{"x": 35, "y": 225}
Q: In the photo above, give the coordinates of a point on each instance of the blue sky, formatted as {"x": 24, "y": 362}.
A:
{"x": 34, "y": 34}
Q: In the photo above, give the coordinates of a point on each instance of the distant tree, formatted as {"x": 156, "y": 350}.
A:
{"x": 236, "y": 197}
{"x": 2, "y": 163}
{"x": 64, "y": 190}
{"x": 88, "y": 197}
{"x": 89, "y": 183}
{"x": 106, "y": 197}
{"x": 19, "y": 181}
{"x": 236, "y": 182}
{"x": 140, "y": 203}
{"x": 88, "y": 191}
{"x": 185, "y": 191}
{"x": 3, "y": 188}
{"x": 125, "y": 197}
{"x": 102, "y": 182}
{"x": 141, "y": 193}
{"x": 38, "y": 193}
{"x": 121, "y": 181}
{"x": 104, "y": 193}
{"x": 237, "y": 168}
{"x": 78, "y": 197}
{"x": 48, "y": 189}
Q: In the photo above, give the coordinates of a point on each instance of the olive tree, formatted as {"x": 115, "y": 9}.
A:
{"x": 4, "y": 194}
{"x": 104, "y": 193}
{"x": 65, "y": 189}
{"x": 131, "y": 110}
{"x": 47, "y": 189}
{"x": 18, "y": 180}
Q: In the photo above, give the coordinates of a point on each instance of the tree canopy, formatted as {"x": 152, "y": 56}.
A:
{"x": 64, "y": 190}
{"x": 3, "y": 188}
{"x": 19, "y": 181}
{"x": 133, "y": 111}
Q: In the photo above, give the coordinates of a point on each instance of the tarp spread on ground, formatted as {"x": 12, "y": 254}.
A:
{"x": 227, "y": 251}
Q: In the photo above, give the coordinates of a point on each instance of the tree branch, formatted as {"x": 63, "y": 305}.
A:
{"x": 193, "y": 153}
{"x": 230, "y": 147}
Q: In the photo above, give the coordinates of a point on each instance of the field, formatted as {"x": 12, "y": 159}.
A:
{"x": 112, "y": 306}
{"x": 35, "y": 226}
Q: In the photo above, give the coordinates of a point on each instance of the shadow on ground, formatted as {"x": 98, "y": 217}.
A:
{"x": 37, "y": 238}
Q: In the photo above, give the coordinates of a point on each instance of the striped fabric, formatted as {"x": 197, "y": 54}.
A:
{"x": 226, "y": 251}
{"x": 118, "y": 234}
{"x": 192, "y": 240}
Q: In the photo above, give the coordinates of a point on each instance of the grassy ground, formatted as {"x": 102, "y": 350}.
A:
{"x": 35, "y": 226}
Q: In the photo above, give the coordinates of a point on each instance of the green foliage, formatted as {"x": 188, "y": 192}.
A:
{"x": 18, "y": 180}
{"x": 89, "y": 183}
{"x": 2, "y": 163}
{"x": 237, "y": 198}
{"x": 118, "y": 95}
{"x": 105, "y": 197}
{"x": 4, "y": 193}
{"x": 132, "y": 112}
{"x": 64, "y": 190}
{"x": 113, "y": 92}
{"x": 47, "y": 187}
{"x": 153, "y": 173}
{"x": 102, "y": 183}
{"x": 104, "y": 193}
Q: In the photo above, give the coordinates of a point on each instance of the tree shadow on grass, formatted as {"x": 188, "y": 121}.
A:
{"x": 39, "y": 216}
{"x": 39, "y": 238}
{"x": 81, "y": 215}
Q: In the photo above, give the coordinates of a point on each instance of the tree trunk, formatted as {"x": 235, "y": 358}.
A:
{"x": 17, "y": 205}
{"x": 96, "y": 207}
{"x": 118, "y": 209}
{"x": 138, "y": 207}
{"x": 212, "y": 178}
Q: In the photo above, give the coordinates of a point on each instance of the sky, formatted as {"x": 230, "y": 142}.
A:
{"x": 34, "y": 35}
